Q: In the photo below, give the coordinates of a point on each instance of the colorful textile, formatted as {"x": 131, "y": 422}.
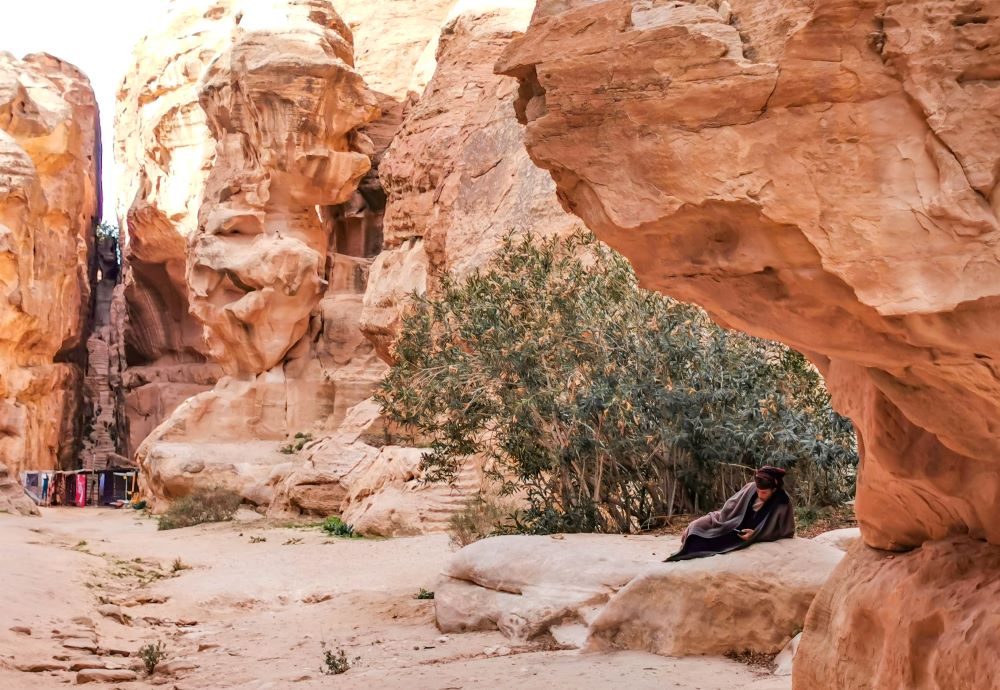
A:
{"x": 81, "y": 490}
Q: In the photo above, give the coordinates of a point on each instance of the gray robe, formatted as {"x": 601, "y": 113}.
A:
{"x": 778, "y": 524}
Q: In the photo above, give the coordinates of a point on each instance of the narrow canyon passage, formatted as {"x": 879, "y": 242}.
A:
{"x": 291, "y": 172}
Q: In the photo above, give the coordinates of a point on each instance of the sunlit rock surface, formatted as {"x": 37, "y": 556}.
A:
{"x": 456, "y": 177}
{"x": 49, "y": 204}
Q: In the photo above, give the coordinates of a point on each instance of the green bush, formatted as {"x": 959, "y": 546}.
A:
{"x": 203, "y": 505}
{"x": 151, "y": 656}
{"x": 607, "y": 407}
{"x": 299, "y": 442}
{"x": 338, "y": 528}
{"x": 335, "y": 664}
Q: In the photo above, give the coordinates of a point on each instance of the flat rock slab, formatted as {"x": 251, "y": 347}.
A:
{"x": 41, "y": 666}
{"x": 626, "y": 598}
{"x": 525, "y": 585}
{"x": 80, "y": 644}
{"x": 105, "y": 676}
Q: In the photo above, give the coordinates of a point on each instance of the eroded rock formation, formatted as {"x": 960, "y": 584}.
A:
{"x": 283, "y": 106}
{"x": 165, "y": 149}
{"x": 49, "y": 204}
{"x": 924, "y": 619}
{"x": 456, "y": 176}
{"x": 13, "y": 498}
{"x": 824, "y": 174}
{"x": 274, "y": 94}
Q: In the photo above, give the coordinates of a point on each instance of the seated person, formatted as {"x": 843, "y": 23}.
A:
{"x": 760, "y": 511}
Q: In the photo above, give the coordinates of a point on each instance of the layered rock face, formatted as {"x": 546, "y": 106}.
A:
{"x": 164, "y": 147}
{"x": 456, "y": 176}
{"x": 824, "y": 174}
{"x": 266, "y": 290}
{"x": 49, "y": 204}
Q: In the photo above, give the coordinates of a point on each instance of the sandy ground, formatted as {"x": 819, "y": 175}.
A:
{"x": 258, "y": 604}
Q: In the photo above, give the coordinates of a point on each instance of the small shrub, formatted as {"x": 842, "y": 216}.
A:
{"x": 480, "y": 518}
{"x": 179, "y": 565}
{"x": 335, "y": 664}
{"x": 204, "y": 505}
{"x": 151, "y": 655}
{"x": 336, "y": 527}
{"x": 299, "y": 442}
{"x": 423, "y": 594}
{"x": 257, "y": 540}
{"x": 811, "y": 521}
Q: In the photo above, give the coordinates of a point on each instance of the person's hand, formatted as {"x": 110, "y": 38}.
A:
{"x": 746, "y": 534}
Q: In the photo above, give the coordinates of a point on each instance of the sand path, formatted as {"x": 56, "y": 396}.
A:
{"x": 258, "y": 603}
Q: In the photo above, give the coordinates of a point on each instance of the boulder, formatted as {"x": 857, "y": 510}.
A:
{"x": 925, "y": 619}
{"x": 754, "y": 599}
{"x": 526, "y": 585}
{"x": 613, "y": 592}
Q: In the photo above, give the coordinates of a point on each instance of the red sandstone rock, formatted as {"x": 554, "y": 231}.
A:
{"x": 456, "y": 176}
{"x": 49, "y": 204}
{"x": 924, "y": 619}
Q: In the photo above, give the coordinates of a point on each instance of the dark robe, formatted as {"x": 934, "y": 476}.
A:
{"x": 716, "y": 533}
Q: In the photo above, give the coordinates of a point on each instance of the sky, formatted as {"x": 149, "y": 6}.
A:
{"x": 97, "y": 37}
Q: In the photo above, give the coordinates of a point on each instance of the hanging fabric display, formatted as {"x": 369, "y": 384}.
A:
{"x": 81, "y": 490}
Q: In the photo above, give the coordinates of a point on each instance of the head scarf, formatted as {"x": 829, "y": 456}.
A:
{"x": 771, "y": 475}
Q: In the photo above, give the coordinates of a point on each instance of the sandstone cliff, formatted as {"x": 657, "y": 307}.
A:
{"x": 824, "y": 174}
{"x": 49, "y": 204}
{"x": 274, "y": 106}
{"x": 456, "y": 177}
{"x": 165, "y": 150}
